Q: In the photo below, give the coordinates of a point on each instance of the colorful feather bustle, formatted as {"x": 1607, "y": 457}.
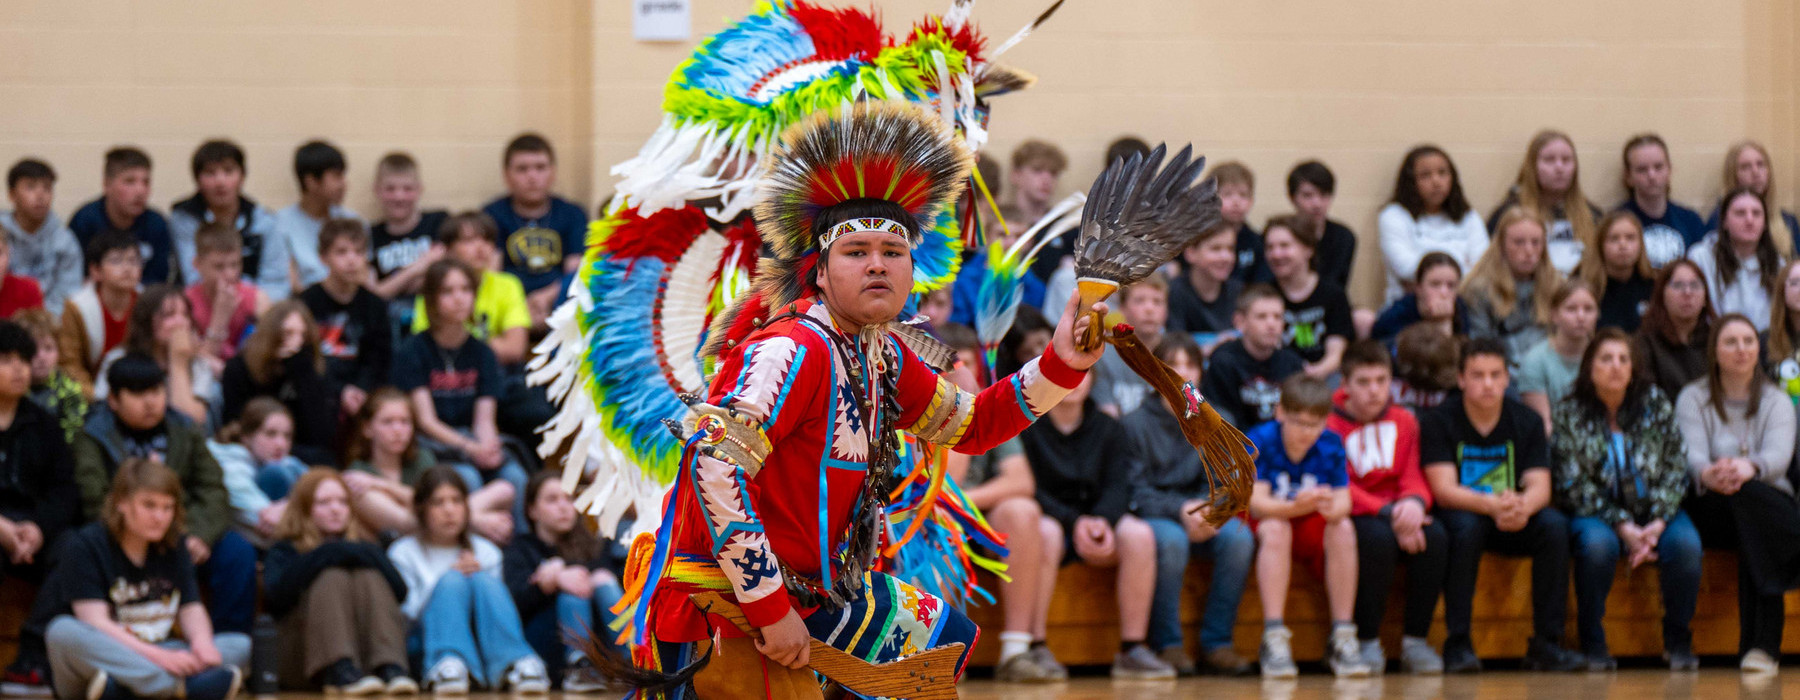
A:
{"x": 936, "y": 538}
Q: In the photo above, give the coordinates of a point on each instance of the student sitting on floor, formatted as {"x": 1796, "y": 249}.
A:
{"x": 563, "y": 580}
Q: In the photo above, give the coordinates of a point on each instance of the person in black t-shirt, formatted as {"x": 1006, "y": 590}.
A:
{"x": 1621, "y": 271}
{"x": 1204, "y": 298}
{"x": 353, "y": 323}
{"x": 1311, "y": 186}
{"x": 1243, "y": 377}
{"x": 1489, "y": 466}
{"x": 282, "y": 360}
{"x": 118, "y": 592}
{"x": 38, "y": 497}
{"x": 1237, "y": 193}
{"x": 404, "y": 241}
{"x": 1318, "y": 317}
{"x": 541, "y": 234}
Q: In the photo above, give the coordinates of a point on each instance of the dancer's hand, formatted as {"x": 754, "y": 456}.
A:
{"x": 1073, "y": 323}
{"x": 787, "y": 642}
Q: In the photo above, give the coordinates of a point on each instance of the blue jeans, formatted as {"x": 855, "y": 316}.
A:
{"x": 473, "y": 618}
{"x": 1595, "y": 549}
{"x": 549, "y": 630}
{"x": 1232, "y": 551}
{"x": 230, "y": 574}
{"x": 510, "y": 472}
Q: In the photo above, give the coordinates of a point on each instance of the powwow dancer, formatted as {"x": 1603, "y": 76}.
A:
{"x": 779, "y": 503}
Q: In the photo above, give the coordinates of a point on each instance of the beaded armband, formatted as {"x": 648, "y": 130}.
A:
{"x": 727, "y": 434}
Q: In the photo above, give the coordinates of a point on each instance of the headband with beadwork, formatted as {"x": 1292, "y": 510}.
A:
{"x": 864, "y": 225}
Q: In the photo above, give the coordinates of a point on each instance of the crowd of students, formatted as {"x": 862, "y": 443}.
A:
{"x": 1554, "y": 382}
{"x": 177, "y": 395}
{"x": 1579, "y": 386}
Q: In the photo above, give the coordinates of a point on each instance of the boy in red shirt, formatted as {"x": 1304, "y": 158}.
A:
{"x": 1390, "y": 504}
{"x": 16, "y": 292}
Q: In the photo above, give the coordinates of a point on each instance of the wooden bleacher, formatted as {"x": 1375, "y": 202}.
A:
{"x": 1084, "y": 626}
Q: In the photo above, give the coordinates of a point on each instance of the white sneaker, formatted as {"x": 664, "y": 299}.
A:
{"x": 1346, "y": 658}
{"x": 1277, "y": 653}
{"x": 1759, "y": 661}
{"x": 528, "y": 677}
{"x": 449, "y": 677}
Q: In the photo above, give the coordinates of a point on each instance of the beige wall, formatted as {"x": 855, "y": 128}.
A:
{"x": 1270, "y": 83}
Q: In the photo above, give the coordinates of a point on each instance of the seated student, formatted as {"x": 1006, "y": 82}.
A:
{"x": 1311, "y": 188}
{"x": 1203, "y": 299}
{"x": 1075, "y": 455}
{"x": 16, "y": 293}
{"x": 51, "y": 388}
{"x": 1000, "y": 484}
{"x": 563, "y": 581}
{"x": 162, "y": 329}
{"x": 1619, "y": 271}
{"x": 281, "y": 360}
{"x": 499, "y": 316}
{"x": 1318, "y": 319}
{"x": 1672, "y": 338}
{"x": 1243, "y": 376}
{"x": 1390, "y": 506}
{"x": 252, "y": 451}
{"x": 1145, "y": 305}
{"x": 1739, "y": 429}
{"x": 1782, "y": 357}
{"x": 124, "y": 207}
{"x": 1059, "y": 274}
{"x": 460, "y": 610}
{"x": 319, "y": 167}
{"x": 1740, "y": 259}
{"x": 542, "y": 234}
{"x": 1427, "y": 214}
{"x": 1669, "y": 228}
{"x": 1170, "y": 494}
{"x": 1030, "y": 333}
{"x": 405, "y": 240}
{"x": 385, "y": 461}
{"x": 1621, "y": 473}
{"x": 1548, "y": 369}
{"x": 335, "y": 596}
{"x": 224, "y": 303}
{"x": 94, "y": 319}
{"x": 218, "y": 167}
{"x": 1300, "y": 509}
{"x": 38, "y": 499}
{"x": 1486, "y": 459}
{"x": 1509, "y": 290}
{"x": 1433, "y": 299}
{"x": 135, "y": 422}
{"x": 1747, "y": 164}
{"x": 1035, "y": 168}
{"x": 1549, "y": 187}
{"x": 454, "y": 381}
{"x": 121, "y": 587}
{"x": 1237, "y": 194}
{"x": 354, "y": 335}
{"x": 1425, "y": 358}
{"x": 42, "y": 247}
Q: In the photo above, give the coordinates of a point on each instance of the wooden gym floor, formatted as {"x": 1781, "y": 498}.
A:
{"x": 1636, "y": 684}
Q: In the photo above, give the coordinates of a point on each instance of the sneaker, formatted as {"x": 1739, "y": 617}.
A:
{"x": 343, "y": 678}
{"x": 1277, "y": 653}
{"x": 1023, "y": 667}
{"x": 1600, "y": 661}
{"x": 528, "y": 677}
{"x": 103, "y": 687}
{"x": 216, "y": 683}
{"x": 448, "y": 677}
{"x": 1759, "y": 661}
{"x": 1140, "y": 664}
{"x": 1374, "y": 656}
{"x": 1459, "y": 656}
{"x": 395, "y": 681}
{"x": 1177, "y": 658}
{"x": 1047, "y": 660}
{"x": 580, "y": 676}
{"x": 1546, "y": 655}
{"x": 1682, "y": 658}
{"x": 1345, "y": 654}
{"x": 24, "y": 680}
{"x": 1417, "y": 657}
{"x": 1226, "y": 662}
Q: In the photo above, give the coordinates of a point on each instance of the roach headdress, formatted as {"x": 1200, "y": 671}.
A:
{"x": 891, "y": 151}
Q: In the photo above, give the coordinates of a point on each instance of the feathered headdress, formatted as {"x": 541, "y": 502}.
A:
{"x": 892, "y": 151}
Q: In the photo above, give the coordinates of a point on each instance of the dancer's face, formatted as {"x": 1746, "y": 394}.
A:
{"x": 866, "y": 278}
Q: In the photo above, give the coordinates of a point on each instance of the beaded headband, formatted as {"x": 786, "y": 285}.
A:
{"x": 865, "y": 225}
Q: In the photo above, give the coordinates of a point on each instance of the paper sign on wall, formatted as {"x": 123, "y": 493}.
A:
{"x": 660, "y": 20}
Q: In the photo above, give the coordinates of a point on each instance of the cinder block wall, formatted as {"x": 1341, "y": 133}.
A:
{"x": 1270, "y": 83}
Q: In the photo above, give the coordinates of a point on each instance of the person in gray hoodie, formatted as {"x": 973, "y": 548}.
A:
{"x": 43, "y": 247}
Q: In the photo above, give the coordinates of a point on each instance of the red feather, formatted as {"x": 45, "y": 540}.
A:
{"x": 665, "y": 235}
{"x": 878, "y": 178}
{"x": 964, "y": 39}
{"x": 840, "y": 34}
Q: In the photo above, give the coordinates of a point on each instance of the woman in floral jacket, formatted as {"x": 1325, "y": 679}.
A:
{"x": 1621, "y": 473}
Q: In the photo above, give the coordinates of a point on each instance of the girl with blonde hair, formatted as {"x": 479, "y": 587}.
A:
{"x": 1508, "y": 292}
{"x": 1549, "y": 185}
